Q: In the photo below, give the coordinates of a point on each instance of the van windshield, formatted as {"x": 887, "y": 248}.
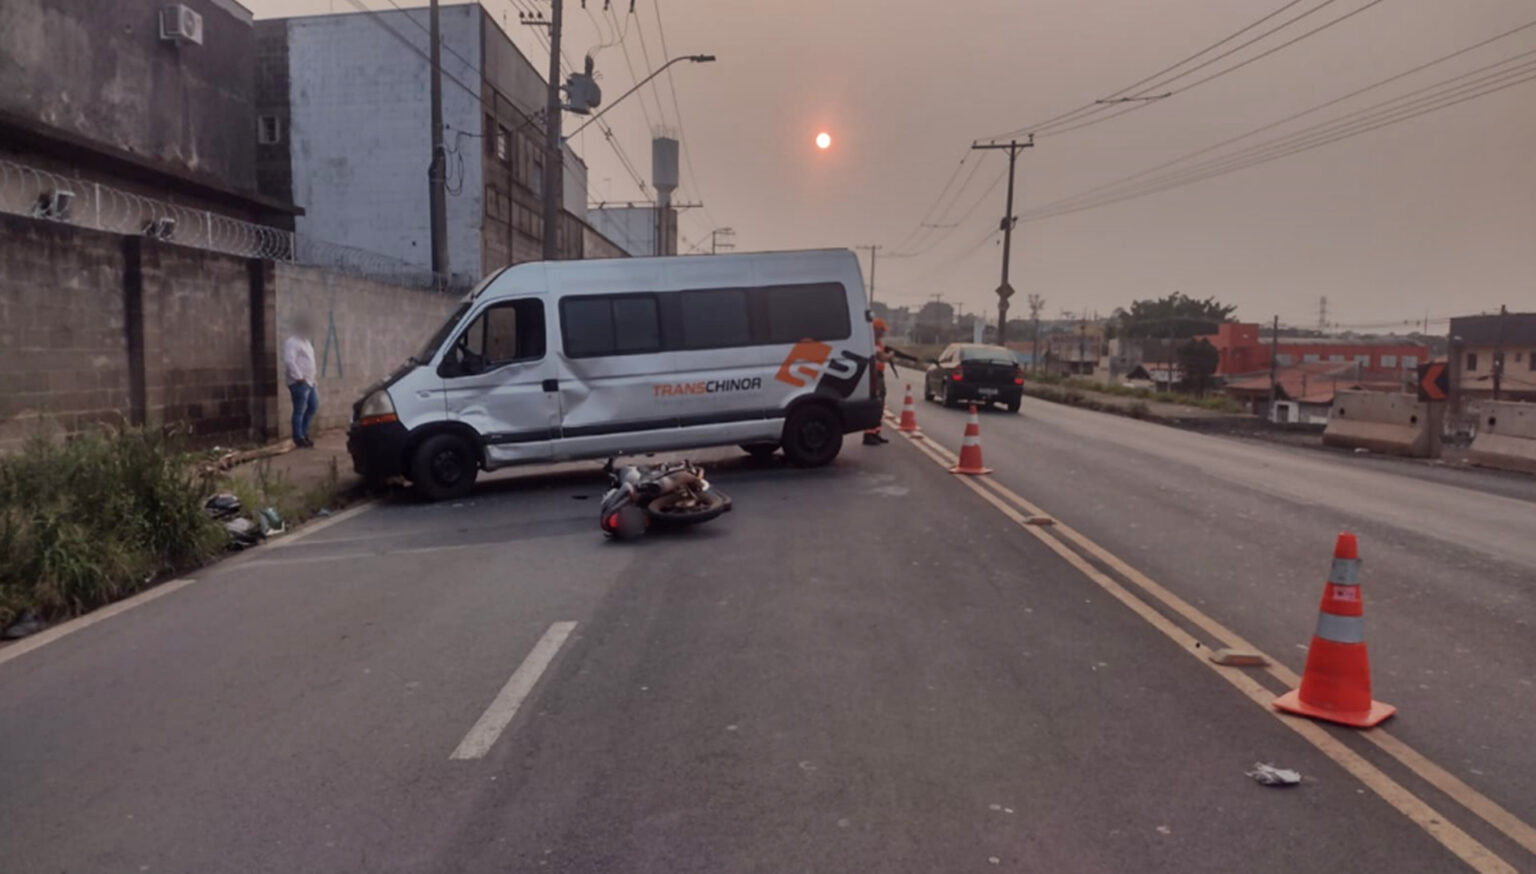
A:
{"x": 441, "y": 334}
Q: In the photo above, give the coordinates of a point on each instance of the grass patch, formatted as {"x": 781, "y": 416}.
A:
{"x": 95, "y": 519}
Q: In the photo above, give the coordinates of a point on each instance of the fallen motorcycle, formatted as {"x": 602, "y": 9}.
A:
{"x": 662, "y": 495}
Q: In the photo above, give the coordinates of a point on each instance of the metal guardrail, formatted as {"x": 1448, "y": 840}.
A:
{"x": 48, "y": 196}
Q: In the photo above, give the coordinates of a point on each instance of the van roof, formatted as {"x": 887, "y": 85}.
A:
{"x": 673, "y": 272}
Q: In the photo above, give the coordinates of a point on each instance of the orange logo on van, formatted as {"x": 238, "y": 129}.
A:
{"x": 804, "y": 363}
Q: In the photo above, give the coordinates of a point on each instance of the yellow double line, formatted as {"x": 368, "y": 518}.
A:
{"x": 1057, "y": 536}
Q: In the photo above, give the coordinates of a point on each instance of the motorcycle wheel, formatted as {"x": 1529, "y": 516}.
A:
{"x": 666, "y": 510}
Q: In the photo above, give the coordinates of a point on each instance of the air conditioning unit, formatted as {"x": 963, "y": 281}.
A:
{"x": 181, "y": 24}
{"x": 53, "y": 205}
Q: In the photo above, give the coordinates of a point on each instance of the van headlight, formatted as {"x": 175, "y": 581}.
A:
{"x": 377, "y": 409}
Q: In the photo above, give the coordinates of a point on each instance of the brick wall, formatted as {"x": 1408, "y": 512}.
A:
{"x": 198, "y": 368}
{"x": 101, "y": 329}
{"x": 377, "y": 327}
{"x": 63, "y": 339}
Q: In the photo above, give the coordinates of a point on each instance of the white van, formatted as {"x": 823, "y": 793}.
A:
{"x": 562, "y": 360}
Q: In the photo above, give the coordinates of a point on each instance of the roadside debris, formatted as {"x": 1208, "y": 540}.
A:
{"x": 271, "y": 522}
{"x": 1269, "y": 775}
{"x": 242, "y": 532}
{"x": 26, "y": 625}
{"x": 1238, "y": 658}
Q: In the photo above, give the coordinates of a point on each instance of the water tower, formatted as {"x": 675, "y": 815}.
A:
{"x": 664, "y": 178}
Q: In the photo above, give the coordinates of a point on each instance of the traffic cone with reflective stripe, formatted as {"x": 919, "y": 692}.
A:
{"x": 970, "y": 448}
{"x": 1336, "y": 685}
{"x": 908, "y": 422}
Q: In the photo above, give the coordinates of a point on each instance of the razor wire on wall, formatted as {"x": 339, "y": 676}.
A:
{"x": 48, "y": 196}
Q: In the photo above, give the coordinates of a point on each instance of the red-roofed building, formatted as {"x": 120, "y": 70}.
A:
{"x": 1245, "y": 351}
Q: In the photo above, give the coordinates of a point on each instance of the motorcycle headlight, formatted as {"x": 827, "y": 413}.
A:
{"x": 377, "y": 409}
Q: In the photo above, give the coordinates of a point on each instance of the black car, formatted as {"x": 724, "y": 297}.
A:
{"x": 977, "y": 373}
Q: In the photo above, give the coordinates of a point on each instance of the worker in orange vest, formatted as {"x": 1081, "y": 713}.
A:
{"x": 883, "y": 355}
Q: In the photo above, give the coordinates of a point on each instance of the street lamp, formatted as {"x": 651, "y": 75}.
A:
{"x": 697, "y": 59}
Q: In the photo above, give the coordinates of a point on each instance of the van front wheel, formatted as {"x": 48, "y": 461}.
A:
{"x": 444, "y": 467}
{"x": 813, "y": 436}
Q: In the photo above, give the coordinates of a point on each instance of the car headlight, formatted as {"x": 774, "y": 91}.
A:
{"x": 377, "y": 409}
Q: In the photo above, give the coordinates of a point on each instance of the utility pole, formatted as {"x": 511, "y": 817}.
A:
{"x": 1498, "y": 354}
{"x": 1274, "y": 367}
{"x": 1322, "y": 313}
{"x": 1082, "y": 339}
{"x": 554, "y": 157}
{"x": 1036, "y": 303}
{"x": 437, "y": 171}
{"x": 1004, "y": 290}
{"x": 873, "y": 251}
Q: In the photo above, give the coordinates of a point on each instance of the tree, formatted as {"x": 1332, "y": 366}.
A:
{"x": 1199, "y": 360}
{"x": 1176, "y": 315}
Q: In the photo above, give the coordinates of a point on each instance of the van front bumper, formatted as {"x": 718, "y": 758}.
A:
{"x": 861, "y": 415}
{"x": 378, "y": 451}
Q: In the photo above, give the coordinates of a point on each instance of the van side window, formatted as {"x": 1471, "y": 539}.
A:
{"x": 501, "y": 334}
{"x": 715, "y": 319}
{"x": 610, "y": 325}
{"x": 806, "y": 312}
{"x": 636, "y": 325}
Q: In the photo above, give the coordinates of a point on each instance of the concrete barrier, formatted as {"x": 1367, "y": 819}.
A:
{"x": 1506, "y": 436}
{"x": 1395, "y": 424}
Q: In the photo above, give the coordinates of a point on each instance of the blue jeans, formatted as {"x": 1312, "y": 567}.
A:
{"x": 306, "y": 400}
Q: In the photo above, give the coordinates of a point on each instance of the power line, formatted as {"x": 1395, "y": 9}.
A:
{"x": 1337, "y": 100}
{"x": 922, "y": 236}
{"x": 1200, "y": 174}
{"x": 950, "y": 228}
{"x": 1360, "y": 121}
{"x": 645, "y": 54}
{"x": 1235, "y": 67}
{"x": 1100, "y": 111}
{"x": 630, "y": 66}
{"x": 922, "y": 220}
{"x": 1038, "y": 126}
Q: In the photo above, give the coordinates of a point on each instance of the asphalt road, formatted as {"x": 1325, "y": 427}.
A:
{"x": 1244, "y": 529}
{"x": 866, "y": 667}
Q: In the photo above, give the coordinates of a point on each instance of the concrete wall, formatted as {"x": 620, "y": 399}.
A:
{"x": 632, "y": 228}
{"x": 360, "y": 138}
{"x": 102, "y": 329}
{"x": 1396, "y": 424}
{"x": 100, "y": 71}
{"x": 1506, "y": 436}
{"x": 595, "y": 245}
{"x": 377, "y": 327}
{"x": 63, "y": 337}
{"x": 197, "y": 339}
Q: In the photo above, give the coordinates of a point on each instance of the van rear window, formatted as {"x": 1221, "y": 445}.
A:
{"x": 806, "y": 312}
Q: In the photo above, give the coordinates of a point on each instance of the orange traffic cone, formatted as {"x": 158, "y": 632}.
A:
{"x": 970, "y": 448}
{"x": 1336, "y": 685}
{"x": 908, "y": 414}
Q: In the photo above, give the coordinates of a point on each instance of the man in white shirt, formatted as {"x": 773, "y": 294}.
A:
{"x": 299, "y": 364}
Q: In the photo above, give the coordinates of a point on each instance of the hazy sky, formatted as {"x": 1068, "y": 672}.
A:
{"x": 1436, "y": 215}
